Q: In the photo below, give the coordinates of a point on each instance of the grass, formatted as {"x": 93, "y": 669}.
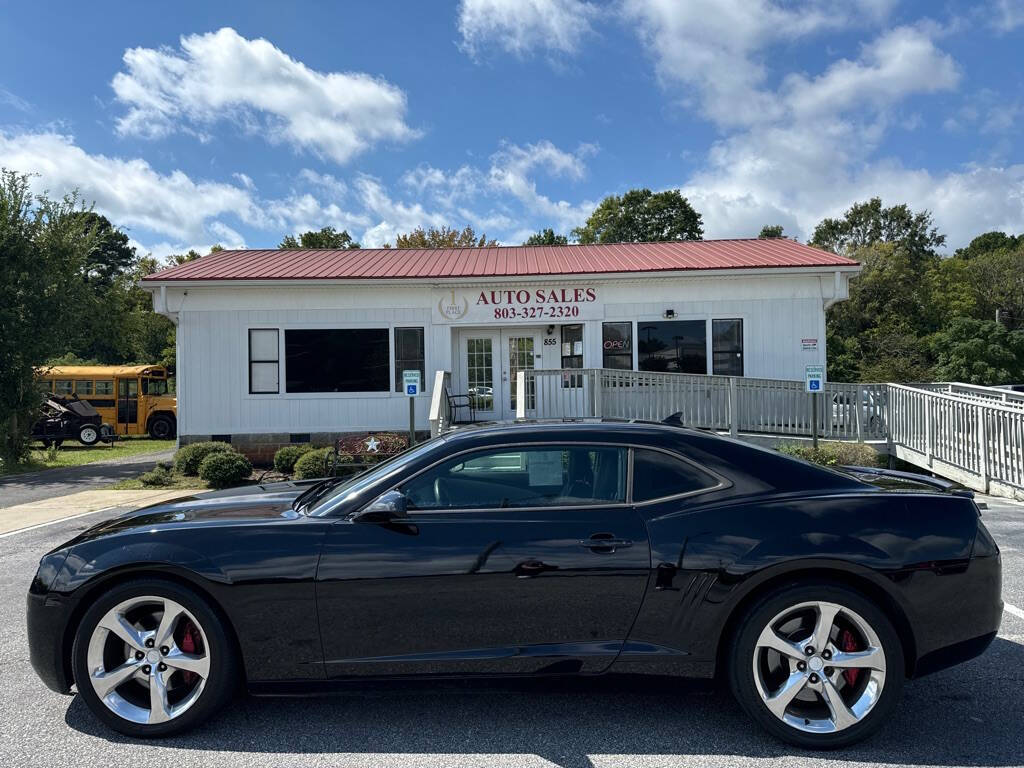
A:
{"x": 73, "y": 454}
{"x": 177, "y": 482}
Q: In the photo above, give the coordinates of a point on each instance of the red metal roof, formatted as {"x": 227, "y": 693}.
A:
{"x": 394, "y": 263}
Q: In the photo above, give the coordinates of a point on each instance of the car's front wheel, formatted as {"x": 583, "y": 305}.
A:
{"x": 152, "y": 658}
{"x": 819, "y": 666}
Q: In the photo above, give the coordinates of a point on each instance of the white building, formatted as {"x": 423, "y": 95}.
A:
{"x": 279, "y": 346}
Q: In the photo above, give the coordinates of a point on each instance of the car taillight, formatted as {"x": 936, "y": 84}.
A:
{"x": 984, "y": 544}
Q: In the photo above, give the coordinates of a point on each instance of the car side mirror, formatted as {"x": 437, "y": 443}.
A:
{"x": 386, "y": 508}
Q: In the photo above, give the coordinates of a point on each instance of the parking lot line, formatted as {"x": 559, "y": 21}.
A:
{"x": 54, "y": 522}
{"x": 1014, "y": 610}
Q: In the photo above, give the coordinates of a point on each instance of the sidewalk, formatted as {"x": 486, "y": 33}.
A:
{"x": 36, "y": 513}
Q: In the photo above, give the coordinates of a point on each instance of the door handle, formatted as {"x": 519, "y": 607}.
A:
{"x": 605, "y": 543}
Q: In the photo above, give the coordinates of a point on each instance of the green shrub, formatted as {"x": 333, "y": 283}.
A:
{"x": 157, "y": 477}
{"x": 188, "y": 459}
{"x": 222, "y": 469}
{"x": 285, "y": 458}
{"x": 315, "y": 463}
{"x": 832, "y": 454}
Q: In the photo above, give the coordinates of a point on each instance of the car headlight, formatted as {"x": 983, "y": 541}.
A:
{"x": 47, "y": 572}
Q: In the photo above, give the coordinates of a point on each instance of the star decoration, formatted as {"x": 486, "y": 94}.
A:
{"x": 372, "y": 445}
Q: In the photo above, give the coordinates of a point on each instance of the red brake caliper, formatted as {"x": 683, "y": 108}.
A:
{"x": 190, "y": 643}
{"x": 848, "y": 643}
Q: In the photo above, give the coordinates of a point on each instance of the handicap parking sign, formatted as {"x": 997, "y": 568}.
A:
{"x": 814, "y": 377}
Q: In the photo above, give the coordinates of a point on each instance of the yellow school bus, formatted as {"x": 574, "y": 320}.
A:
{"x": 133, "y": 399}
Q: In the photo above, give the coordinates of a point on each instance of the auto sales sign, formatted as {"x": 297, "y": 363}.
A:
{"x": 518, "y": 304}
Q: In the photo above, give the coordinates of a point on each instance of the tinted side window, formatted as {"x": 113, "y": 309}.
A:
{"x": 541, "y": 476}
{"x": 657, "y": 474}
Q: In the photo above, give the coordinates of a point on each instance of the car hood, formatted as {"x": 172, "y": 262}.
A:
{"x": 234, "y": 506}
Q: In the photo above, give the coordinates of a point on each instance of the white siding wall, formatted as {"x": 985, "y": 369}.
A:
{"x": 778, "y": 312}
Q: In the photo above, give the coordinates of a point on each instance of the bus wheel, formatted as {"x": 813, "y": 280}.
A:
{"x": 88, "y": 435}
{"x": 161, "y": 428}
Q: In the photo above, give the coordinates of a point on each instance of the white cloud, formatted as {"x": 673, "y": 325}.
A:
{"x": 812, "y": 146}
{"x": 224, "y": 76}
{"x": 898, "y": 63}
{"x": 130, "y": 192}
{"x": 710, "y": 46}
{"x": 13, "y": 100}
{"x": 1009, "y": 14}
{"x": 522, "y": 26}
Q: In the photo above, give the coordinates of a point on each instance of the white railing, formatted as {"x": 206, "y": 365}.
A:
{"x": 440, "y": 411}
{"x": 726, "y": 403}
{"x": 976, "y": 443}
{"x": 976, "y": 393}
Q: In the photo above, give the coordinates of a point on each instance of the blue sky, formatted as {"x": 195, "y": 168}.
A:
{"x": 189, "y": 125}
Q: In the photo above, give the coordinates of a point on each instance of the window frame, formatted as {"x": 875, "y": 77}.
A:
{"x": 743, "y": 344}
{"x": 630, "y": 448}
{"x": 723, "y": 482}
{"x": 393, "y": 342}
{"x": 250, "y": 361}
{"x": 631, "y": 353}
{"x": 389, "y": 340}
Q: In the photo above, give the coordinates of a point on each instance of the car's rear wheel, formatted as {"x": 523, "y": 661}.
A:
{"x": 152, "y": 658}
{"x": 88, "y": 435}
{"x": 819, "y": 666}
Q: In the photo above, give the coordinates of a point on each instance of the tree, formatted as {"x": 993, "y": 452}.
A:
{"x": 191, "y": 254}
{"x": 328, "y": 237}
{"x": 869, "y": 223}
{"x": 546, "y": 237}
{"x": 988, "y": 243}
{"x": 979, "y": 352}
{"x": 111, "y": 254}
{"x": 770, "y": 232}
{"x": 445, "y": 237}
{"x": 45, "y": 247}
{"x": 642, "y": 216}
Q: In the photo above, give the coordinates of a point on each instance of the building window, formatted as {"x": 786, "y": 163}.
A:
{"x": 264, "y": 362}
{"x": 83, "y": 387}
{"x": 105, "y": 387}
{"x": 673, "y": 346}
{"x": 617, "y": 346}
{"x": 409, "y": 356}
{"x": 727, "y": 347}
{"x": 337, "y": 360}
{"x": 572, "y": 353}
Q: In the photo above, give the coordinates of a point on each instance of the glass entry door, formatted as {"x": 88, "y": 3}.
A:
{"x": 521, "y": 351}
{"x": 481, "y": 372}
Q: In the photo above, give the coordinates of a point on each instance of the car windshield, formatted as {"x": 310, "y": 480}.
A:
{"x": 358, "y": 483}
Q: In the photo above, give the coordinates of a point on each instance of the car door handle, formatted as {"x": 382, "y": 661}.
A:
{"x": 606, "y": 543}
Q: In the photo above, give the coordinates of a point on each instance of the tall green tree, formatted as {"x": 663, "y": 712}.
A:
{"x": 868, "y": 223}
{"x": 642, "y": 216}
{"x": 979, "y": 352}
{"x": 44, "y": 251}
{"x": 443, "y": 237}
{"x": 988, "y": 243}
{"x": 546, "y": 237}
{"x": 328, "y": 237}
{"x": 770, "y": 232}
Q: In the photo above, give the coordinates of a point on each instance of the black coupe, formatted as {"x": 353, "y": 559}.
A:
{"x": 530, "y": 549}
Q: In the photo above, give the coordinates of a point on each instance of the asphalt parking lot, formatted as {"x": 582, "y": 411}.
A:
{"x": 968, "y": 716}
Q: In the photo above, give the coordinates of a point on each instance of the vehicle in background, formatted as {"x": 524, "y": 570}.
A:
{"x": 1011, "y": 387}
{"x": 844, "y": 416}
{"x": 68, "y": 418}
{"x": 133, "y": 399}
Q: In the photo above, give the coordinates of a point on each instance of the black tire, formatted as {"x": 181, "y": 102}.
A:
{"x": 88, "y": 434}
{"x": 161, "y": 428}
{"x": 741, "y": 661}
{"x": 224, "y": 670}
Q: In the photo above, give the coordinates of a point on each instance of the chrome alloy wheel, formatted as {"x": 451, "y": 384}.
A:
{"x": 819, "y": 667}
{"x": 148, "y": 659}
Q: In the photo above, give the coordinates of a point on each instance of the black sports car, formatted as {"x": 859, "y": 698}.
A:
{"x": 530, "y": 549}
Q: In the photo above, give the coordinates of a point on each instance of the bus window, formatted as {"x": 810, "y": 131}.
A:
{"x": 105, "y": 387}
{"x": 62, "y": 386}
{"x": 83, "y": 387}
{"x": 154, "y": 386}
